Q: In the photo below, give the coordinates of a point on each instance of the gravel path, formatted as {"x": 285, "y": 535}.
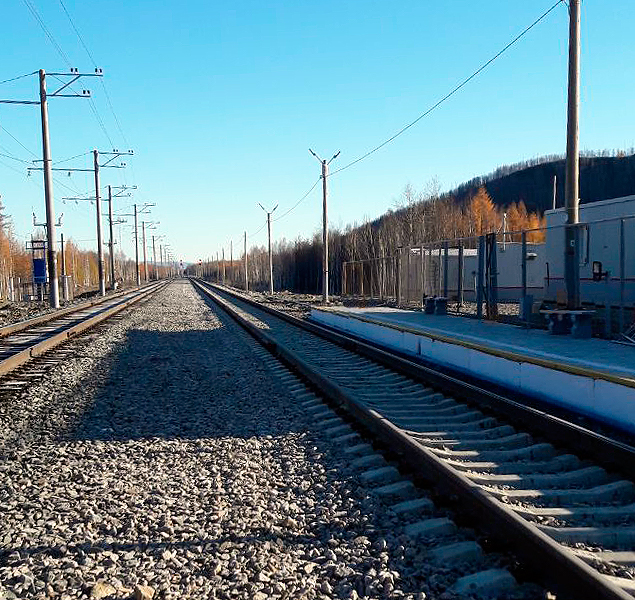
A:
{"x": 165, "y": 460}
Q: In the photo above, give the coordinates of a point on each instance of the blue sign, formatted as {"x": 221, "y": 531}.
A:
{"x": 39, "y": 270}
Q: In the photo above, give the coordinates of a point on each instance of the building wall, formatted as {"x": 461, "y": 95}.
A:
{"x": 600, "y": 242}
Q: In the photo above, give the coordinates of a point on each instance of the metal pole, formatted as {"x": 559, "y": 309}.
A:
{"x": 112, "y": 241}
{"x": 270, "y": 256}
{"x": 555, "y": 191}
{"x": 446, "y": 254}
{"x": 459, "y": 290}
{"x": 136, "y": 247}
{"x": 145, "y": 262}
{"x": 398, "y": 277}
{"x": 231, "y": 260}
{"x": 480, "y": 276}
{"x": 572, "y": 262}
{"x": 325, "y": 238}
{"x": 246, "y": 276}
{"x": 154, "y": 259}
{"x": 523, "y": 249}
{"x": 223, "y": 266}
{"x": 344, "y": 267}
{"x": 622, "y": 273}
{"x": 64, "y": 282}
{"x": 100, "y": 246}
{"x": 423, "y": 281}
{"x": 54, "y": 292}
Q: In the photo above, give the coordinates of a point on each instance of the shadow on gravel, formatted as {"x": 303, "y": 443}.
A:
{"x": 187, "y": 384}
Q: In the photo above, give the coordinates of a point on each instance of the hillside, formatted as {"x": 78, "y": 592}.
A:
{"x": 601, "y": 177}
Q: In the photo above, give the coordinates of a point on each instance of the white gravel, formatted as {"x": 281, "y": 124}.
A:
{"x": 165, "y": 454}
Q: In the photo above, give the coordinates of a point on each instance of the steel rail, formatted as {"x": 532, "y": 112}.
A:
{"x": 20, "y": 358}
{"x": 569, "y": 572}
{"x": 51, "y": 316}
{"x": 602, "y": 449}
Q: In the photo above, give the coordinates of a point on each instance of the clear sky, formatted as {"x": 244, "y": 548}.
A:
{"x": 221, "y": 101}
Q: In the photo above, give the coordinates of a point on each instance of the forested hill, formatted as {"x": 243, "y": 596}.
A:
{"x": 601, "y": 177}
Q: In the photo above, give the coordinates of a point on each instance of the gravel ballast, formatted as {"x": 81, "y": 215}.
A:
{"x": 165, "y": 460}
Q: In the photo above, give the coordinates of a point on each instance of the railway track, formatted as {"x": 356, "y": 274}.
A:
{"x": 563, "y": 496}
{"x": 23, "y": 341}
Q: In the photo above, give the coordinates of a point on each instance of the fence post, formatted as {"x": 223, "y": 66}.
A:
{"x": 423, "y": 281}
{"x": 492, "y": 280}
{"x": 344, "y": 278}
{"x": 371, "y": 264}
{"x": 479, "y": 277}
{"x": 523, "y": 250}
{"x": 398, "y": 278}
{"x": 459, "y": 287}
{"x": 446, "y": 254}
{"x": 361, "y": 279}
{"x": 622, "y": 274}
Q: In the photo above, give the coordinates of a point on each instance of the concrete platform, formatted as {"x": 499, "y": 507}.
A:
{"x": 595, "y": 377}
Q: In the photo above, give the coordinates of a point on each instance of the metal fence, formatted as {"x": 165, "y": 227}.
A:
{"x": 510, "y": 275}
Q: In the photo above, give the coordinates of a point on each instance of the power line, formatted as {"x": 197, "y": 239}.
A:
{"x": 90, "y": 56}
{"x": 78, "y": 34}
{"x": 100, "y": 121}
{"x": 57, "y": 162}
{"x": 49, "y": 35}
{"x": 18, "y": 77}
{"x": 299, "y": 201}
{"x": 451, "y": 93}
{"x": 15, "y": 139}
{"x": 26, "y": 162}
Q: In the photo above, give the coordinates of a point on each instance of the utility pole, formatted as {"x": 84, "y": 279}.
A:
{"x": 64, "y": 282}
{"x": 112, "y": 241}
{"x": 74, "y": 75}
{"x": 572, "y": 181}
{"x": 144, "y": 209}
{"x": 145, "y": 262}
{"x": 325, "y": 231}
{"x": 96, "y": 169}
{"x": 54, "y": 292}
{"x": 136, "y": 247}
{"x": 246, "y": 276}
{"x": 154, "y": 259}
{"x": 223, "y": 266}
{"x": 269, "y": 237}
{"x": 100, "y": 247}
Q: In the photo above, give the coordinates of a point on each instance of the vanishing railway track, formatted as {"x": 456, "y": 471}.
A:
{"x": 563, "y": 496}
{"x": 23, "y": 341}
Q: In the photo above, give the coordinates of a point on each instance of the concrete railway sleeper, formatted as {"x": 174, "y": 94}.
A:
{"x": 564, "y": 510}
{"x": 24, "y": 341}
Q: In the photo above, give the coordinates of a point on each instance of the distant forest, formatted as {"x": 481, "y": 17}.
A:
{"x": 603, "y": 175}
{"x": 522, "y": 192}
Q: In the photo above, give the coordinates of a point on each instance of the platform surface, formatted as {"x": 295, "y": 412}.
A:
{"x": 616, "y": 360}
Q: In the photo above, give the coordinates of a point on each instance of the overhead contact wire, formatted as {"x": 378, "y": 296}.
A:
{"x": 450, "y": 94}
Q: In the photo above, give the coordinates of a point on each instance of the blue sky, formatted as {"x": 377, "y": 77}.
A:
{"x": 221, "y": 101}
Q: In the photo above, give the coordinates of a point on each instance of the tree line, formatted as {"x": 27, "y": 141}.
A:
{"x": 418, "y": 217}
{"x": 16, "y": 263}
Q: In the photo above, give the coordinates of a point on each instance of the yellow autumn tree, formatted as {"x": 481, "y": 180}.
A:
{"x": 482, "y": 214}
